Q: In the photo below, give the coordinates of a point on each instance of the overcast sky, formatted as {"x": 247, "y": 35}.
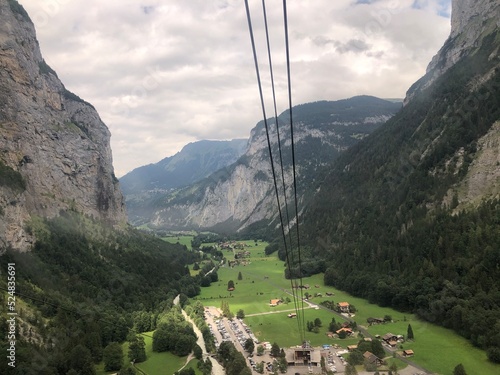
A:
{"x": 166, "y": 73}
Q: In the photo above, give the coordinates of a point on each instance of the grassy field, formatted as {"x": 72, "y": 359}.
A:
{"x": 436, "y": 348}
{"x": 183, "y": 240}
{"x": 159, "y": 363}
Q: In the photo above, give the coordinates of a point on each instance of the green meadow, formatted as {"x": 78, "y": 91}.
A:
{"x": 183, "y": 240}
{"x": 159, "y": 363}
{"x": 436, "y": 348}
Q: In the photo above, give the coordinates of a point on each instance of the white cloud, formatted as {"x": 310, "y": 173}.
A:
{"x": 162, "y": 74}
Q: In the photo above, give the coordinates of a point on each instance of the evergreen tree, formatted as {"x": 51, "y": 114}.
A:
{"x": 275, "y": 350}
{"x": 350, "y": 370}
{"x": 409, "y": 334}
{"x": 459, "y": 370}
{"x": 240, "y": 276}
{"x": 230, "y": 284}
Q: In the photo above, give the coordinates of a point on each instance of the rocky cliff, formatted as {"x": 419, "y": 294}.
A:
{"x": 471, "y": 20}
{"x": 242, "y": 195}
{"x": 54, "y": 149}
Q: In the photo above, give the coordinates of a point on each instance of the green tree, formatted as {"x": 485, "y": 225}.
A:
{"x": 260, "y": 350}
{"x": 240, "y": 276}
{"x": 249, "y": 346}
{"x": 355, "y": 358}
{"x": 127, "y": 370}
{"x": 240, "y": 314}
{"x": 409, "y": 334}
{"x": 259, "y": 367}
{"x": 282, "y": 365}
{"x": 387, "y": 318}
{"x": 394, "y": 368}
{"x": 377, "y": 348}
{"x": 350, "y": 370}
{"x": 198, "y": 352}
{"x": 81, "y": 360}
{"x": 459, "y": 370}
{"x": 113, "y": 357}
{"x": 137, "y": 349}
{"x": 317, "y": 322}
{"x": 275, "y": 350}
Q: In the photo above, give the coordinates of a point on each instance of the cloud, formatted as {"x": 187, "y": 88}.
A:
{"x": 162, "y": 74}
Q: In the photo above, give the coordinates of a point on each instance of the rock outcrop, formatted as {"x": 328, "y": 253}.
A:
{"x": 51, "y": 141}
{"x": 471, "y": 20}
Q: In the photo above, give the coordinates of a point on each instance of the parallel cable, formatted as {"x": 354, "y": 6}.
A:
{"x": 270, "y": 149}
{"x": 271, "y": 72}
{"x": 287, "y": 48}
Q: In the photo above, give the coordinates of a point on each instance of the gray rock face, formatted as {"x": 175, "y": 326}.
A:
{"x": 241, "y": 195}
{"x": 471, "y": 20}
{"x": 51, "y": 137}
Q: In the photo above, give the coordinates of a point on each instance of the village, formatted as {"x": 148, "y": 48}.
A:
{"x": 304, "y": 358}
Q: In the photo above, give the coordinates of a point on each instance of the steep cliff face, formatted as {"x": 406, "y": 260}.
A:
{"x": 49, "y": 138}
{"x": 471, "y": 20}
{"x": 242, "y": 195}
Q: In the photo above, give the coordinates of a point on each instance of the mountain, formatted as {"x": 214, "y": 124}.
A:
{"x": 241, "y": 196}
{"x": 410, "y": 216}
{"x": 194, "y": 162}
{"x": 88, "y": 279}
{"x": 54, "y": 148}
{"x": 144, "y": 185}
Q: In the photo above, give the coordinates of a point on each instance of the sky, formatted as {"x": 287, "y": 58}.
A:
{"x": 166, "y": 73}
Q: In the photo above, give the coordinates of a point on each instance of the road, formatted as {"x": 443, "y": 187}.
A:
{"x": 217, "y": 369}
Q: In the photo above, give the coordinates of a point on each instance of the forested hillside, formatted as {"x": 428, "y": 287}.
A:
{"x": 389, "y": 219}
{"x": 86, "y": 285}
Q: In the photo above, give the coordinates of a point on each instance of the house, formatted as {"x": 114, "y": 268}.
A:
{"x": 292, "y": 315}
{"x": 274, "y": 302}
{"x": 372, "y": 358}
{"x": 352, "y": 347}
{"x": 408, "y": 353}
{"x": 343, "y": 307}
{"x": 348, "y": 331}
{"x": 372, "y": 321}
{"x": 390, "y": 339}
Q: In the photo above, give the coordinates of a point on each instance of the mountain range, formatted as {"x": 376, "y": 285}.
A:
{"x": 240, "y": 195}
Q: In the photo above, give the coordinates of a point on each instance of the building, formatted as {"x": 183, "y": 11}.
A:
{"x": 372, "y": 358}
{"x": 302, "y": 356}
{"x": 274, "y": 302}
{"x": 390, "y": 339}
{"x": 343, "y": 307}
{"x": 408, "y": 353}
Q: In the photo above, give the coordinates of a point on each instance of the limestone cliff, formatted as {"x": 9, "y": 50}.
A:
{"x": 51, "y": 141}
{"x": 471, "y": 20}
{"x": 242, "y": 195}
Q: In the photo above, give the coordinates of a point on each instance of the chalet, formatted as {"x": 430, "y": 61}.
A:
{"x": 343, "y": 307}
{"x": 352, "y": 347}
{"x": 274, "y": 302}
{"x": 390, "y": 339}
{"x": 372, "y": 358}
{"x": 408, "y": 353}
{"x": 348, "y": 331}
{"x": 372, "y": 321}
